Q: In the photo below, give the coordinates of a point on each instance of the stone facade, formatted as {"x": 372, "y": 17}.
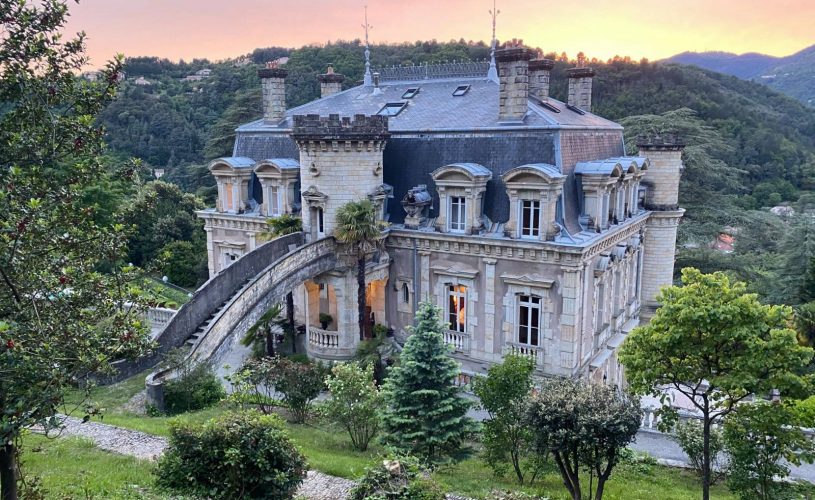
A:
{"x": 537, "y": 238}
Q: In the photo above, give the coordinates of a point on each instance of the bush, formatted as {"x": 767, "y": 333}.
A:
{"x": 396, "y": 479}
{"x": 237, "y": 455}
{"x": 803, "y": 412}
{"x": 354, "y": 402}
{"x": 688, "y": 435}
{"x": 194, "y": 390}
{"x": 253, "y": 386}
{"x": 300, "y": 384}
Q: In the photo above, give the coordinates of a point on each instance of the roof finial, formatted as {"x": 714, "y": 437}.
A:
{"x": 367, "y": 80}
{"x": 492, "y": 74}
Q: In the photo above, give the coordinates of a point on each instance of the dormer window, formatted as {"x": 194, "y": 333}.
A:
{"x": 461, "y": 90}
{"x": 392, "y": 108}
{"x": 461, "y": 188}
{"x": 533, "y": 191}
{"x": 411, "y": 93}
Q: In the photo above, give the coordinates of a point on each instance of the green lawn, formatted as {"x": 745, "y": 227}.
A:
{"x": 328, "y": 451}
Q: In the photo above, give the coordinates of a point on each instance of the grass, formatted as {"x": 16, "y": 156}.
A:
{"x": 328, "y": 450}
{"x": 75, "y": 468}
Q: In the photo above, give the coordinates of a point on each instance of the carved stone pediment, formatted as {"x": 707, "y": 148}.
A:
{"x": 314, "y": 197}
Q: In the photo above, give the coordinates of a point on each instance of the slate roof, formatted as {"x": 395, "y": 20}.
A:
{"x": 546, "y": 169}
{"x": 235, "y": 161}
{"x": 283, "y": 163}
{"x": 435, "y": 108}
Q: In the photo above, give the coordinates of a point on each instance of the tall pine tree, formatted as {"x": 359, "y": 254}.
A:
{"x": 426, "y": 414}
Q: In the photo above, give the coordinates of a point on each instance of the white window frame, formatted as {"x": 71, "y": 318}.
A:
{"x": 458, "y": 292}
{"x": 458, "y": 206}
{"x": 528, "y": 302}
{"x": 534, "y": 229}
{"x": 275, "y": 207}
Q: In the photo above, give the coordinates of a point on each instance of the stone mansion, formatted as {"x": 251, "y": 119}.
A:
{"x": 521, "y": 216}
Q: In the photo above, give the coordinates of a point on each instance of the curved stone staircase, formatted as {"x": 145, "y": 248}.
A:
{"x": 227, "y": 321}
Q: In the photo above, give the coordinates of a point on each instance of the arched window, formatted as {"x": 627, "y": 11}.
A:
{"x": 405, "y": 293}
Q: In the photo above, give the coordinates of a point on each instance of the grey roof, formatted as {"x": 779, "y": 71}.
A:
{"x": 473, "y": 169}
{"x": 435, "y": 108}
{"x": 283, "y": 163}
{"x": 599, "y": 167}
{"x": 546, "y": 169}
{"x": 235, "y": 162}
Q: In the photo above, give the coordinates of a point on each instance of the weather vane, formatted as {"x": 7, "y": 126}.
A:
{"x": 492, "y": 74}
{"x": 367, "y": 78}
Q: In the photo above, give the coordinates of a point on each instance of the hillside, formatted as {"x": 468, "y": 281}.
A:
{"x": 749, "y": 146}
{"x": 793, "y": 75}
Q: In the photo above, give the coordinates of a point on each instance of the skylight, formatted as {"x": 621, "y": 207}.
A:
{"x": 410, "y": 93}
{"x": 392, "y": 108}
{"x": 548, "y": 106}
{"x": 576, "y": 109}
{"x": 461, "y": 90}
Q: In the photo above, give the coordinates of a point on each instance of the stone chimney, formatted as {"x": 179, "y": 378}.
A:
{"x": 513, "y": 76}
{"x": 580, "y": 79}
{"x": 664, "y": 153}
{"x": 273, "y": 88}
{"x": 539, "y": 72}
{"x": 330, "y": 82}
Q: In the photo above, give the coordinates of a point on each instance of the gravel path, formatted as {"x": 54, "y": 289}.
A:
{"x": 317, "y": 486}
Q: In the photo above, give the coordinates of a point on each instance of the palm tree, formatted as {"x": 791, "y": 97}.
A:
{"x": 281, "y": 226}
{"x": 359, "y": 228}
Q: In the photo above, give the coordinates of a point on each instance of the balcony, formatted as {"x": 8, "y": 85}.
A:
{"x": 527, "y": 351}
{"x": 459, "y": 341}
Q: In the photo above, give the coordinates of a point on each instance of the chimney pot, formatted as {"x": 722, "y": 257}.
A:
{"x": 580, "y": 83}
{"x": 513, "y": 77}
{"x": 540, "y": 71}
{"x": 330, "y": 82}
{"x": 273, "y": 88}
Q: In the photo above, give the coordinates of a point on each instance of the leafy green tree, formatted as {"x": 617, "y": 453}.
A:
{"x": 300, "y": 384}
{"x": 182, "y": 263}
{"x": 805, "y": 323}
{"x": 717, "y": 345}
{"x": 761, "y": 444}
{"x": 505, "y": 393}
{"x": 358, "y": 227}
{"x": 584, "y": 426}
{"x": 425, "y": 414}
{"x": 354, "y": 403}
{"x": 261, "y": 335}
{"x": 60, "y": 318}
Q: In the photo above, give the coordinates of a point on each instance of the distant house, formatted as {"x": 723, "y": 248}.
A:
{"x": 199, "y": 75}
{"x": 142, "y": 81}
{"x": 724, "y": 243}
{"x": 783, "y": 211}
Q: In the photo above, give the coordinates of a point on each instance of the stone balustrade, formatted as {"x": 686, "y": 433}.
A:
{"x": 533, "y": 353}
{"x": 159, "y": 317}
{"x": 323, "y": 339}
{"x": 459, "y": 341}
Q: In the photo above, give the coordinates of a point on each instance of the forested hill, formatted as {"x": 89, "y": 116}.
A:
{"x": 750, "y": 147}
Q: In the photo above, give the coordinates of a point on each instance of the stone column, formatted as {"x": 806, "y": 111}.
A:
{"x": 210, "y": 251}
{"x": 571, "y": 292}
{"x": 489, "y": 309}
{"x": 513, "y": 66}
{"x": 273, "y": 89}
{"x": 659, "y": 252}
{"x": 580, "y": 83}
{"x": 425, "y": 274}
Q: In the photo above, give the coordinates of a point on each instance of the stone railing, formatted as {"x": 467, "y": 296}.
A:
{"x": 459, "y": 341}
{"x": 266, "y": 288}
{"x": 533, "y": 353}
{"x": 323, "y": 339}
{"x": 159, "y": 317}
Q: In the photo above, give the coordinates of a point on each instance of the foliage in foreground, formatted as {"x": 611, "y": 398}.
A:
{"x": 354, "y": 403}
{"x": 397, "y": 479}
{"x": 716, "y": 344}
{"x": 425, "y": 414}
{"x": 585, "y": 427}
{"x": 761, "y": 444}
{"x": 237, "y": 455}
{"x": 507, "y": 438}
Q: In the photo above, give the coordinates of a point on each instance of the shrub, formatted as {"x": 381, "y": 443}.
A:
{"x": 396, "y": 479}
{"x": 803, "y": 412}
{"x": 354, "y": 402}
{"x": 194, "y": 390}
{"x": 762, "y": 445}
{"x": 238, "y": 455}
{"x": 507, "y": 438}
{"x": 254, "y": 385}
{"x": 688, "y": 435}
{"x": 300, "y": 384}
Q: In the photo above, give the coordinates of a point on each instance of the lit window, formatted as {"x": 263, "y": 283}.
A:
{"x": 405, "y": 293}
{"x": 458, "y": 214}
{"x": 274, "y": 201}
{"x": 461, "y": 90}
{"x": 410, "y": 93}
{"x": 456, "y": 308}
{"x": 530, "y": 219}
{"x": 392, "y": 108}
{"x": 529, "y": 316}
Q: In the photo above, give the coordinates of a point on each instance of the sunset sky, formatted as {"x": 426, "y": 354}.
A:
{"x": 218, "y": 29}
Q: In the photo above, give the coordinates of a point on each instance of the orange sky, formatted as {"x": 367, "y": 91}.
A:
{"x": 655, "y": 29}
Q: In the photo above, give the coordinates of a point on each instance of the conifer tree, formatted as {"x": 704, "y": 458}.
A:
{"x": 425, "y": 414}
